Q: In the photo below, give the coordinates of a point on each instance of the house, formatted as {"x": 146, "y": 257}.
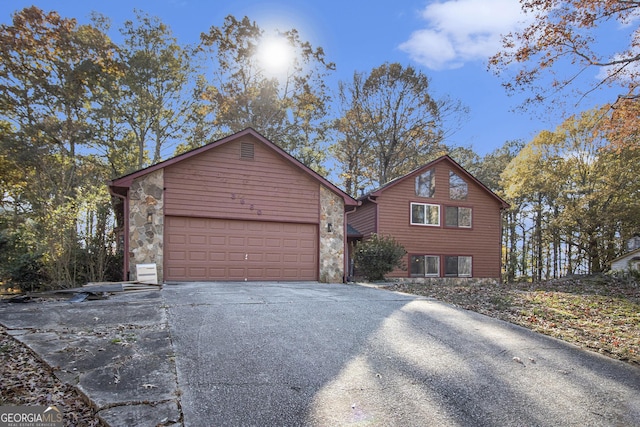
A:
{"x": 630, "y": 260}
{"x": 448, "y": 222}
{"x": 239, "y": 208}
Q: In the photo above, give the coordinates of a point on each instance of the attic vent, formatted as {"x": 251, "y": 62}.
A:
{"x": 246, "y": 150}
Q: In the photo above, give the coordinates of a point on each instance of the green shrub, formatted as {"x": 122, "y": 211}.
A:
{"x": 27, "y": 273}
{"x": 20, "y": 267}
{"x": 378, "y": 256}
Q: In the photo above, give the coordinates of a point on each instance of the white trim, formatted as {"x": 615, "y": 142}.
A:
{"x": 425, "y": 215}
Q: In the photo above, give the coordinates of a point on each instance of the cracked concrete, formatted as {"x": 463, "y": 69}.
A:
{"x": 203, "y": 354}
{"x": 117, "y": 352}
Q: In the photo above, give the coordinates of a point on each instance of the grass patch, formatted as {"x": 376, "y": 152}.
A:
{"x": 600, "y": 313}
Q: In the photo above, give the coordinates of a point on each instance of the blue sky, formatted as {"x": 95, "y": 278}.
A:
{"x": 449, "y": 40}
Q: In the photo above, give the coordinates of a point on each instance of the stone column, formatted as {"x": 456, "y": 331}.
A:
{"x": 146, "y": 222}
{"x": 331, "y": 237}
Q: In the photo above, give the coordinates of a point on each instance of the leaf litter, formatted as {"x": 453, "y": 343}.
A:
{"x": 28, "y": 381}
{"x": 600, "y": 313}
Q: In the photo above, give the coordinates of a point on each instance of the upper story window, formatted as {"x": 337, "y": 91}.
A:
{"x": 426, "y": 183}
{"x": 458, "y": 188}
{"x": 457, "y": 217}
{"x": 425, "y": 214}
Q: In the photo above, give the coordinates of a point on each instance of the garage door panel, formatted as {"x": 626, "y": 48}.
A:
{"x": 273, "y": 257}
{"x": 196, "y": 223}
{"x": 197, "y": 240}
{"x": 272, "y": 243}
{"x": 236, "y": 241}
{"x": 255, "y": 241}
{"x": 197, "y": 256}
{"x": 217, "y": 256}
{"x": 236, "y": 256}
{"x": 217, "y": 240}
{"x": 177, "y": 238}
{"x": 198, "y": 272}
{"x": 215, "y": 249}
{"x": 236, "y": 273}
{"x": 255, "y": 226}
{"x": 236, "y": 225}
{"x": 307, "y": 244}
{"x": 290, "y": 243}
{"x": 289, "y": 258}
{"x": 306, "y": 258}
{"x": 273, "y": 226}
{"x": 217, "y": 272}
{"x": 177, "y": 271}
{"x": 177, "y": 256}
{"x": 217, "y": 225}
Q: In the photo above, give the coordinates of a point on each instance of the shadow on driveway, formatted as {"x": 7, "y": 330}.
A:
{"x": 316, "y": 354}
{"x": 289, "y": 354}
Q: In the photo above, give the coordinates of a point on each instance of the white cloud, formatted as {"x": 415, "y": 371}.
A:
{"x": 625, "y": 73}
{"x": 462, "y": 30}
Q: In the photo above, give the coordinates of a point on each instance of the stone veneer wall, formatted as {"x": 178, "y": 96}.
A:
{"x": 446, "y": 281}
{"x": 331, "y": 242}
{"x": 146, "y": 238}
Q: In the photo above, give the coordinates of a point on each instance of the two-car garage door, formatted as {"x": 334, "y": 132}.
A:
{"x": 222, "y": 249}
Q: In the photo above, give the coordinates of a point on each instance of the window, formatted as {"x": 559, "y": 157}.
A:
{"x": 457, "y": 217}
{"x": 425, "y": 266}
{"x": 457, "y": 266}
{"x": 426, "y": 184}
{"x": 458, "y": 188}
{"x": 425, "y": 214}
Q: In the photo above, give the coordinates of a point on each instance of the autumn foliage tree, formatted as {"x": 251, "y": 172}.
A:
{"x": 154, "y": 101}
{"x": 48, "y": 73}
{"x": 390, "y": 124}
{"x": 579, "y": 197}
{"x": 566, "y": 32}
{"x": 288, "y": 104}
{"x": 561, "y": 43}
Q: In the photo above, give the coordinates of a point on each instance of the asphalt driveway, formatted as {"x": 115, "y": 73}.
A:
{"x": 332, "y": 355}
{"x": 310, "y": 354}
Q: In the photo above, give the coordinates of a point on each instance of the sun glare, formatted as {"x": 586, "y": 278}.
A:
{"x": 275, "y": 55}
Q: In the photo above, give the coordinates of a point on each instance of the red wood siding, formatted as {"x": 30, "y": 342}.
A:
{"x": 482, "y": 241}
{"x": 220, "y": 184}
{"x": 364, "y": 219}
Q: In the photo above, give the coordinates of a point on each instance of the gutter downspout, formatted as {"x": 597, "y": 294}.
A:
{"x": 125, "y": 271}
{"x": 347, "y": 257}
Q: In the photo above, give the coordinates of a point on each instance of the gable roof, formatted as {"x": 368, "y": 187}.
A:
{"x": 419, "y": 170}
{"x": 628, "y": 255}
{"x": 121, "y": 185}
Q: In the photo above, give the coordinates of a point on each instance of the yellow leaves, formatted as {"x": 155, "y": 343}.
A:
{"x": 623, "y": 126}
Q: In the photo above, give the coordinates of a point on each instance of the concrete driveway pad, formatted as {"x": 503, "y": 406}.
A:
{"x": 310, "y": 354}
{"x": 315, "y": 354}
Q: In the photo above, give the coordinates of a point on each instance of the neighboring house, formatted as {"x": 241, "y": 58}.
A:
{"x": 630, "y": 260}
{"x": 239, "y": 208}
{"x": 448, "y": 221}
